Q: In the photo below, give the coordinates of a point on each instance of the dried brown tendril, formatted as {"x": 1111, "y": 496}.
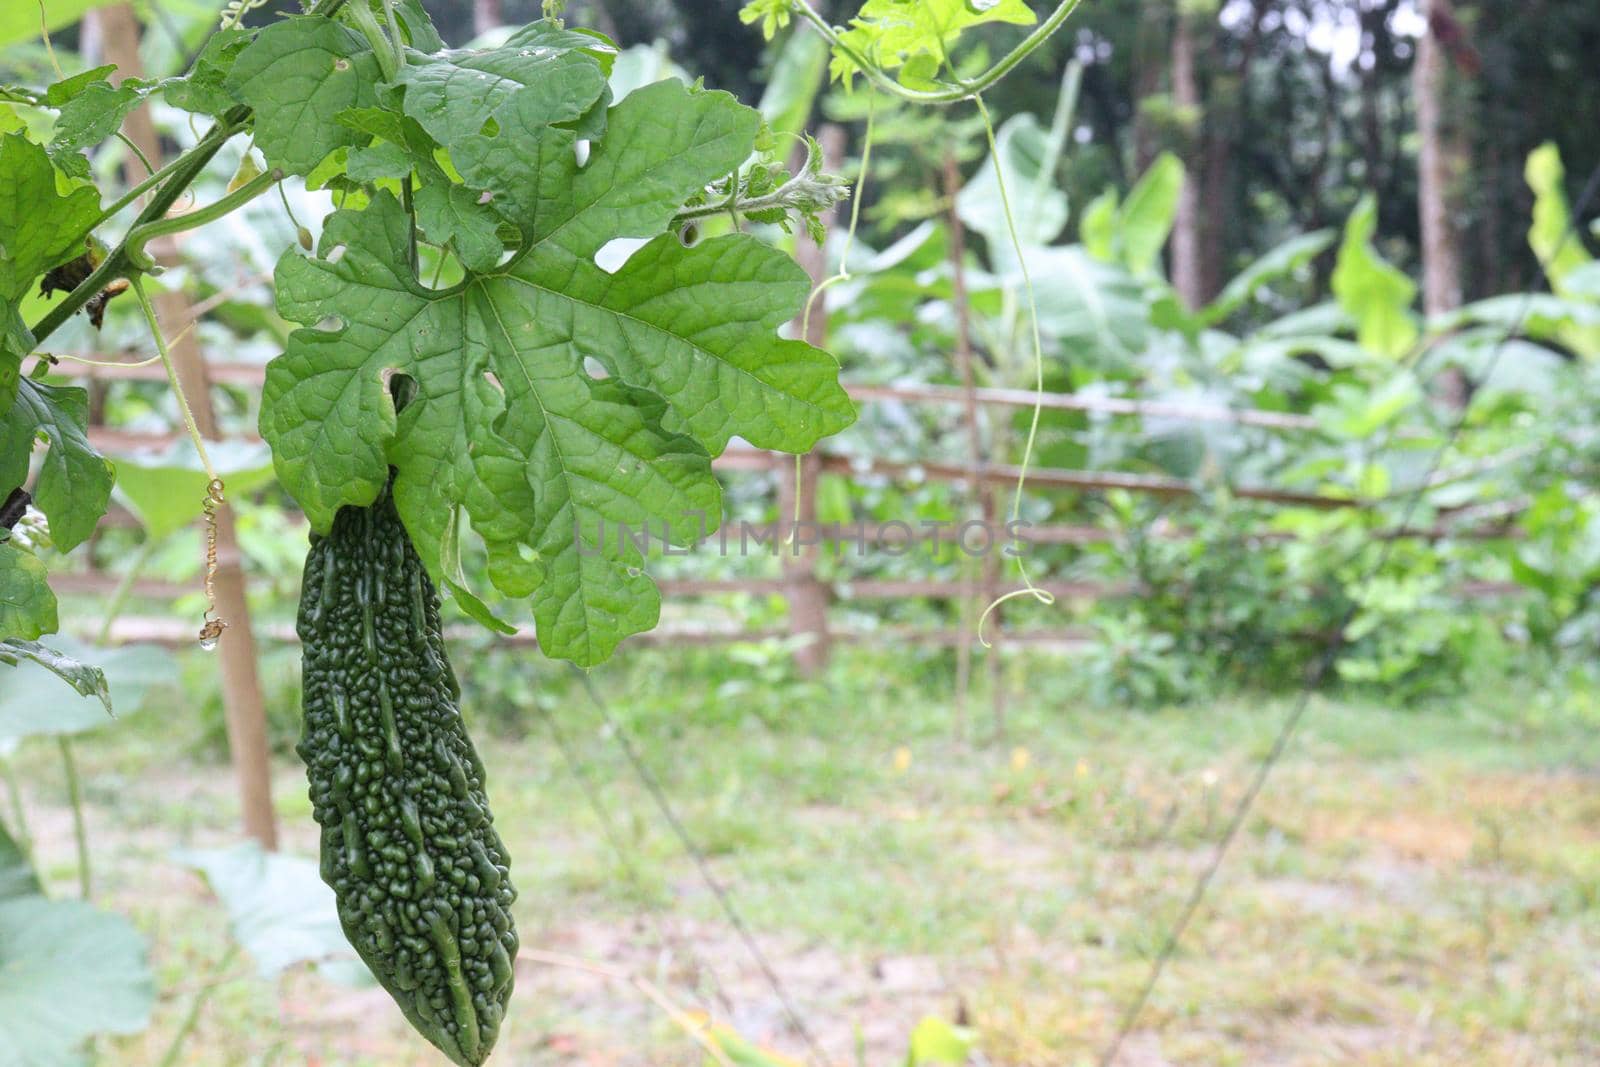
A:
{"x": 214, "y": 625}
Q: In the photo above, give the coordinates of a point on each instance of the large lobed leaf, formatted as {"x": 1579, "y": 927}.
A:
{"x": 163, "y": 488}
{"x": 507, "y": 425}
{"x": 279, "y": 909}
{"x": 67, "y": 971}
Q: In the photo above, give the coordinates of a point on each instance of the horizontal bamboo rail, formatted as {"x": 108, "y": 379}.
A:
{"x": 179, "y": 633}
{"x": 90, "y": 583}
{"x": 237, "y": 373}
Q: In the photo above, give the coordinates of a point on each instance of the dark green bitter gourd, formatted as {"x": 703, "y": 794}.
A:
{"x": 408, "y": 844}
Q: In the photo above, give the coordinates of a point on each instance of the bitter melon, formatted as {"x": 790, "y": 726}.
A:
{"x": 408, "y": 844}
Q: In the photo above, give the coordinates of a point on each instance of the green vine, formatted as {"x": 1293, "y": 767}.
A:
{"x": 964, "y": 90}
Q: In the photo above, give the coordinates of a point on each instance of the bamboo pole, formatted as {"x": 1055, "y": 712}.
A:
{"x": 976, "y": 460}
{"x": 241, "y": 685}
{"x": 797, "y": 479}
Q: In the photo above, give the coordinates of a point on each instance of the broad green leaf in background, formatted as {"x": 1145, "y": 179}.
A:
{"x": 299, "y": 74}
{"x": 507, "y": 424}
{"x": 1495, "y": 364}
{"x": 1144, "y": 221}
{"x": 1089, "y": 310}
{"x": 1097, "y": 230}
{"x": 86, "y": 679}
{"x": 27, "y": 606}
{"x": 42, "y": 223}
{"x": 165, "y": 489}
{"x": 1357, "y": 413}
{"x": 1584, "y": 282}
{"x": 1260, "y": 351}
{"x": 1279, "y": 263}
{"x": 916, "y": 37}
{"x": 35, "y": 701}
{"x": 74, "y": 480}
{"x": 797, "y": 78}
{"x": 936, "y": 1043}
{"x": 1543, "y": 316}
{"x": 68, "y": 971}
{"x": 1038, "y": 206}
{"x": 1560, "y": 251}
{"x": 1376, "y": 294}
{"x": 1028, "y": 156}
{"x": 279, "y": 909}
{"x": 1553, "y": 239}
{"x": 1324, "y": 318}
{"x": 19, "y": 19}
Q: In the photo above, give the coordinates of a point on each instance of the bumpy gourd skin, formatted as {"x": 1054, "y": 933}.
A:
{"x": 407, "y": 839}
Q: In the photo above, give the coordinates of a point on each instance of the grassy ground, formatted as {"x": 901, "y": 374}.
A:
{"x": 1419, "y": 887}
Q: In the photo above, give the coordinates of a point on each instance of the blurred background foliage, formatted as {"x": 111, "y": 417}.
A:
{"x": 1290, "y": 171}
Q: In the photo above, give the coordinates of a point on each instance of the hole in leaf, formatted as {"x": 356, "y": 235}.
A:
{"x": 595, "y": 369}
{"x": 401, "y": 387}
{"x": 489, "y": 376}
{"x": 336, "y": 254}
{"x": 438, "y": 268}
{"x": 615, "y": 252}
{"x": 330, "y": 323}
{"x": 581, "y": 150}
{"x": 689, "y": 235}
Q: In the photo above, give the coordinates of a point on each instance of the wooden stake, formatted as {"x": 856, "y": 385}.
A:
{"x": 797, "y": 483}
{"x": 241, "y": 684}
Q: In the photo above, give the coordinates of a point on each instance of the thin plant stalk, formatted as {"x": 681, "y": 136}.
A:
{"x": 19, "y": 814}
{"x": 80, "y": 828}
{"x": 191, "y": 1018}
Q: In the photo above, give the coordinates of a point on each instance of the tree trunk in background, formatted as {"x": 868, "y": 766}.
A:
{"x": 1440, "y": 164}
{"x": 245, "y": 713}
{"x": 486, "y": 15}
{"x": 1439, "y": 168}
{"x": 1186, "y": 272}
{"x": 1150, "y": 61}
